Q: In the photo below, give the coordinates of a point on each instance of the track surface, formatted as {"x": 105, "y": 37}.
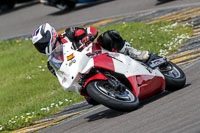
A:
{"x": 176, "y": 112}
{"x": 25, "y": 17}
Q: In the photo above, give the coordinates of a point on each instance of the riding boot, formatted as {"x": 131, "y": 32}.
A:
{"x": 134, "y": 53}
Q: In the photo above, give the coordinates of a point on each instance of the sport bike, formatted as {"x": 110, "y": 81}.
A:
{"x": 65, "y": 4}
{"x": 113, "y": 79}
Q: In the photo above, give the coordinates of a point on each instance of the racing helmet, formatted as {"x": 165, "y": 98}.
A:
{"x": 44, "y": 38}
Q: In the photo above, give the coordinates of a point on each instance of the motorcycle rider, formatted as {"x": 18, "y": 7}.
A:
{"x": 45, "y": 39}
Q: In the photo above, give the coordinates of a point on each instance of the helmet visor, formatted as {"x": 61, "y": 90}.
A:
{"x": 41, "y": 47}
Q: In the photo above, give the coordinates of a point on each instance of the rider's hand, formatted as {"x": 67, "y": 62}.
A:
{"x": 88, "y": 39}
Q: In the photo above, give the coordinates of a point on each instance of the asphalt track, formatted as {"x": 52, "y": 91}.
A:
{"x": 25, "y": 17}
{"x": 176, "y": 112}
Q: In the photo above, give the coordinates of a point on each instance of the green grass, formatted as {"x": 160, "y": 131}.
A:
{"x": 27, "y": 85}
{"x": 153, "y": 37}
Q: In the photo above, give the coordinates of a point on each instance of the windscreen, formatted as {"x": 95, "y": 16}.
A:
{"x": 56, "y": 58}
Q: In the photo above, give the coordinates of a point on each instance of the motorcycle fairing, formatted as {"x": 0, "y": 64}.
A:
{"x": 70, "y": 70}
{"x": 141, "y": 79}
{"x": 145, "y": 83}
{"x": 104, "y": 61}
{"x": 145, "y": 86}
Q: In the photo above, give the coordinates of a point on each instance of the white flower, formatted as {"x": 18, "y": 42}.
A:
{"x": 22, "y": 117}
{"x": 56, "y": 105}
{"x": 1, "y": 128}
{"x": 43, "y": 109}
{"x": 39, "y": 66}
{"x": 16, "y": 117}
{"x": 52, "y": 105}
{"x": 43, "y": 70}
{"x": 28, "y": 77}
{"x": 66, "y": 100}
{"x": 28, "y": 113}
{"x": 70, "y": 100}
{"x": 60, "y": 103}
{"x": 13, "y": 122}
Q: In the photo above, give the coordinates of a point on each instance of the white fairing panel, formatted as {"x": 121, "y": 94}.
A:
{"x": 125, "y": 65}
{"x": 71, "y": 69}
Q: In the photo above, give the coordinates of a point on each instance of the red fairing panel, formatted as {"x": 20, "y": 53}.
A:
{"x": 145, "y": 86}
{"x": 101, "y": 60}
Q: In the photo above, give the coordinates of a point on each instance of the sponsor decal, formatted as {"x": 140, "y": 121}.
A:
{"x": 64, "y": 80}
{"x": 114, "y": 55}
{"x": 70, "y": 57}
{"x": 72, "y": 62}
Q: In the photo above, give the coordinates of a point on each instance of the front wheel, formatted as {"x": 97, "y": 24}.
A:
{"x": 174, "y": 76}
{"x": 91, "y": 101}
{"x": 102, "y": 92}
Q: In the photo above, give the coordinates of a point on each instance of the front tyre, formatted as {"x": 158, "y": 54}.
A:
{"x": 91, "y": 101}
{"x": 175, "y": 78}
{"x": 102, "y": 92}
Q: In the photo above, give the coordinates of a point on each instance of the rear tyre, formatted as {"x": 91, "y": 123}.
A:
{"x": 175, "y": 78}
{"x": 102, "y": 92}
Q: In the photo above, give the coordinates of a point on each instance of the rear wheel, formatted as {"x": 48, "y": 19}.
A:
{"x": 175, "y": 78}
{"x": 121, "y": 100}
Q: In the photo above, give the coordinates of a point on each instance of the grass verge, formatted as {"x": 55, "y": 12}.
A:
{"x": 29, "y": 92}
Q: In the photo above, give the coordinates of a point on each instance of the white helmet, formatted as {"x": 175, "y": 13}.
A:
{"x": 44, "y": 38}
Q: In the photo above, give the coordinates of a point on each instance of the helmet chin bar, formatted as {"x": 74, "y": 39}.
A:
{"x": 48, "y": 49}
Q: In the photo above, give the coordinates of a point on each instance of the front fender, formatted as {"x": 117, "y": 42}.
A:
{"x": 95, "y": 77}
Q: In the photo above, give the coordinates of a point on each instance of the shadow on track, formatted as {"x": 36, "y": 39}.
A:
{"x": 80, "y": 7}
{"x": 109, "y": 113}
{"x": 163, "y": 2}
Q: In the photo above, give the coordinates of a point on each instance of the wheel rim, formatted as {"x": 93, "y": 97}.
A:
{"x": 173, "y": 73}
{"x": 106, "y": 89}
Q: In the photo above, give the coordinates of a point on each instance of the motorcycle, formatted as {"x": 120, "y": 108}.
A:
{"x": 113, "y": 79}
{"x": 64, "y": 4}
